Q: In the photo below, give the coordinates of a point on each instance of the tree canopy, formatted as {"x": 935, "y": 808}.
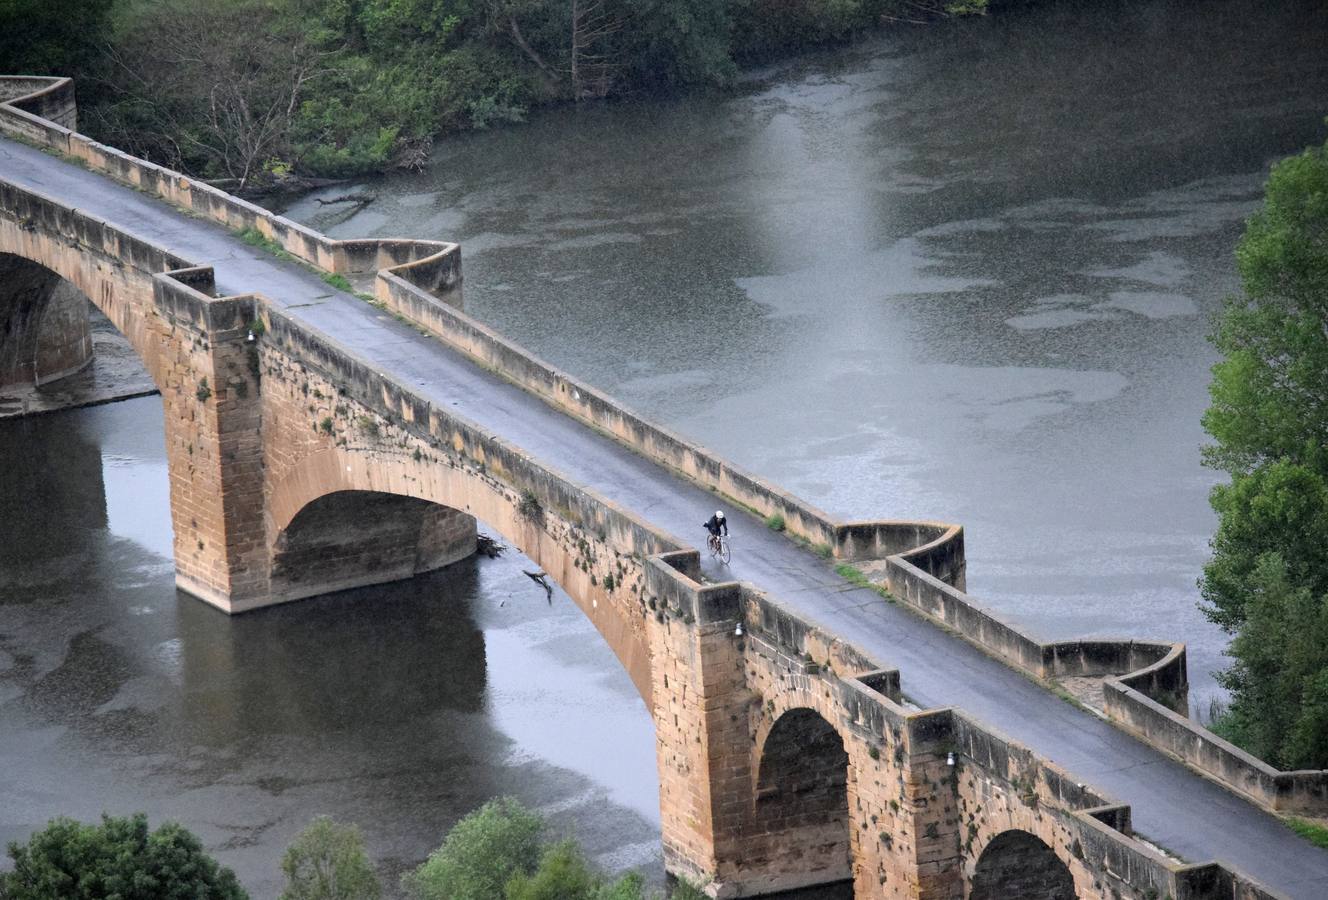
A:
{"x": 1267, "y": 582}
{"x": 116, "y": 860}
{"x": 327, "y": 861}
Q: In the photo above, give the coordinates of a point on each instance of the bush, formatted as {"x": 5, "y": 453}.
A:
{"x": 480, "y": 855}
{"x": 563, "y": 874}
{"x": 118, "y": 858}
{"x": 327, "y": 861}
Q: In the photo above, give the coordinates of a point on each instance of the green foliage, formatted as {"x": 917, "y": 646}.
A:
{"x": 563, "y": 874}
{"x": 775, "y": 522}
{"x": 52, "y": 37}
{"x": 480, "y": 855}
{"x": 327, "y": 861}
{"x": 117, "y": 859}
{"x": 1267, "y": 583}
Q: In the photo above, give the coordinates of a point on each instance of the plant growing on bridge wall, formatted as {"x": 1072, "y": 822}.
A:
{"x": 203, "y": 392}
{"x": 1267, "y": 583}
{"x": 529, "y": 506}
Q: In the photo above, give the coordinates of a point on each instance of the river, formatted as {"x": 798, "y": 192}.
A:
{"x": 960, "y": 272}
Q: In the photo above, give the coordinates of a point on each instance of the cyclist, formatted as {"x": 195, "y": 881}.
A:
{"x": 715, "y": 525}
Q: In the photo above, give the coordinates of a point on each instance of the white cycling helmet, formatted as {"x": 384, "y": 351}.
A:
{"x": 719, "y": 514}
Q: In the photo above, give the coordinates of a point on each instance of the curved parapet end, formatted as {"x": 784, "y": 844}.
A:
{"x": 38, "y": 102}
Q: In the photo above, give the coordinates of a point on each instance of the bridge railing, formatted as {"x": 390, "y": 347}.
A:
{"x": 1146, "y": 686}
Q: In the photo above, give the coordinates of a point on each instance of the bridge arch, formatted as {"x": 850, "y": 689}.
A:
{"x": 43, "y": 286}
{"x": 349, "y": 539}
{"x": 1017, "y": 863}
{"x": 314, "y": 500}
{"x": 801, "y": 806}
{"x": 44, "y": 321}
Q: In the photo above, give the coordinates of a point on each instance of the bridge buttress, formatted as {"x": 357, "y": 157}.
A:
{"x": 211, "y": 399}
{"x": 701, "y": 713}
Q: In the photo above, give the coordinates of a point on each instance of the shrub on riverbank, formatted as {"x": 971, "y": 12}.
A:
{"x": 327, "y": 861}
{"x": 68, "y": 860}
{"x": 496, "y": 853}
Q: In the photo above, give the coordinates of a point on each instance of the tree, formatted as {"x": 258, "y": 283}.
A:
{"x": 118, "y": 858}
{"x": 211, "y": 86}
{"x": 327, "y": 861}
{"x": 52, "y": 37}
{"x": 480, "y": 854}
{"x": 1267, "y": 582}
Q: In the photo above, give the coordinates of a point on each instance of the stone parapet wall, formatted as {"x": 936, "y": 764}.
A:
{"x": 1302, "y": 792}
{"x": 1145, "y": 688}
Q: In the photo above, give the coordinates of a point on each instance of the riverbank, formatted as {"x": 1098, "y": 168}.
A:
{"x": 258, "y": 94}
{"x": 115, "y": 373}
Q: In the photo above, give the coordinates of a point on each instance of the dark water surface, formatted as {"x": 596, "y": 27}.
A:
{"x": 961, "y": 272}
{"x": 398, "y": 708}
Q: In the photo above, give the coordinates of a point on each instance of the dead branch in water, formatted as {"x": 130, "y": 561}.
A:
{"x": 488, "y": 546}
{"x": 543, "y": 581}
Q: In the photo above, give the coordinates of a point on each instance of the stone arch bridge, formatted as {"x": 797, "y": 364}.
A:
{"x": 300, "y": 465}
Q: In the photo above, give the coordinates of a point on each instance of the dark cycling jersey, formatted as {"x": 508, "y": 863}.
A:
{"x": 715, "y": 524}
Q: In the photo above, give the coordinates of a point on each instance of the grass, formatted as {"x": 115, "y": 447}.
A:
{"x": 853, "y": 574}
{"x": 338, "y": 281}
{"x": 775, "y": 522}
{"x": 1313, "y": 832}
{"x": 858, "y": 578}
{"x": 255, "y": 238}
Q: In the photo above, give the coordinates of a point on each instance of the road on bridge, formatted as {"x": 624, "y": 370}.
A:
{"x": 1172, "y": 807}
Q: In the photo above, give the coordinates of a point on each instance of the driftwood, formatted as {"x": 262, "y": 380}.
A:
{"x": 542, "y": 580}
{"x": 488, "y": 546}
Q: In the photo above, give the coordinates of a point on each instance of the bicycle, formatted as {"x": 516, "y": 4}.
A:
{"x": 719, "y": 547}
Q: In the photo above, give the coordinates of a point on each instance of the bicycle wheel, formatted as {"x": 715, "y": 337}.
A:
{"x": 725, "y": 553}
